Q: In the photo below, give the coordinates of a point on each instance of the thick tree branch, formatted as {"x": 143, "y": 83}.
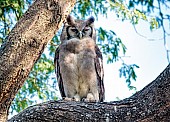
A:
{"x": 151, "y": 104}
{"x": 24, "y": 45}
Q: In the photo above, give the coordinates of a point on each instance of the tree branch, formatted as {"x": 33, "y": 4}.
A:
{"x": 151, "y": 104}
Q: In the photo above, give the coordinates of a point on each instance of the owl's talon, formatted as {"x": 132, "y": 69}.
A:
{"x": 76, "y": 97}
{"x": 83, "y": 99}
{"x": 73, "y": 99}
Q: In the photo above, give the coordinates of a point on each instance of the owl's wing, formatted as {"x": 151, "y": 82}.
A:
{"x": 100, "y": 73}
{"x": 58, "y": 74}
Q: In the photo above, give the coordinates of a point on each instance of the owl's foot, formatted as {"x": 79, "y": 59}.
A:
{"x": 75, "y": 98}
{"x": 90, "y": 98}
{"x": 68, "y": 99}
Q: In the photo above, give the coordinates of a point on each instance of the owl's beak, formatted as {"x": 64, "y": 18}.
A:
{"x": 80, "y": 35}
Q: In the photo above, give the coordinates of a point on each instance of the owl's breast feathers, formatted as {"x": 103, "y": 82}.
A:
{"x": 85, "y": 53}
{"x": 76, "y": 45}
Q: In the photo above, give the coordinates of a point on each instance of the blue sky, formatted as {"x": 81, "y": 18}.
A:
{"x": 149, "y": 55}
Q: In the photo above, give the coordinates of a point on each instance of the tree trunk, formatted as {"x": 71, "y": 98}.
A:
{"x": 24, "y": 45}
{"x": 151, "y": 104}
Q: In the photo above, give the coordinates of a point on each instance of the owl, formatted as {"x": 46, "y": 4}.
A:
{"x": 78, "y": 62}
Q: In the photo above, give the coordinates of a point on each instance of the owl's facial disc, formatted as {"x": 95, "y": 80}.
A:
{"x": 87, "y": 31}
{"x": 72, "y": 32}
{"x": 79, "y": 28}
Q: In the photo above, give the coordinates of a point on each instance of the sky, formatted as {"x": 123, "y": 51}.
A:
{"x": 149, "y": 55}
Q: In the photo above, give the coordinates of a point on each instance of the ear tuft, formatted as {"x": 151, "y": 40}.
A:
{"x": 90, "y": 20}
{"x": 70, "y": 20}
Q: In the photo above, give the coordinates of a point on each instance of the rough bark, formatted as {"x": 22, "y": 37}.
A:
{"x": 25, "y": 43}
{"x": 151, "y": 104}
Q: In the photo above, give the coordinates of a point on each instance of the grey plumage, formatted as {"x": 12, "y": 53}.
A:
{"x": 78, "y": 62}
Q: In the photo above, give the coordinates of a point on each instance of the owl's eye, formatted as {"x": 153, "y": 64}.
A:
{"x": 74, "y": 29}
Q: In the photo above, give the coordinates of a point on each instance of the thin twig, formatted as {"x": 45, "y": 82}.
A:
{"x": 164, "y": 31}
{"x": 149, "y": 39}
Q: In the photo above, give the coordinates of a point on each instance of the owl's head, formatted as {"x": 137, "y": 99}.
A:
{"x": 74, "y": 28}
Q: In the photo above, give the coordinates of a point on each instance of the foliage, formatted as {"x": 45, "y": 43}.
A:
{"x": 158, "y": 13}
{"x": 128, "y": 72}
{"x": 41, "y": 83}
{"x": 10, "y": 12}
{"x": 110, "y": 44}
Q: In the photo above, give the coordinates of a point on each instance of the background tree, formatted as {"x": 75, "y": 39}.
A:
{"x": 41, "y": 83}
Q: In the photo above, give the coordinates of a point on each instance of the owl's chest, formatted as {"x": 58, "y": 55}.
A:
{"x": 76, "y": 52}
{"x": 77, "y": 46}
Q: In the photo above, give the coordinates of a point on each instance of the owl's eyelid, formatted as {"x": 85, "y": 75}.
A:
{"x": 86, "y": 29}
{"x": 74, "y": 29}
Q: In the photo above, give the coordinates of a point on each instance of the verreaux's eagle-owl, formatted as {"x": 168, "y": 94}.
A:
{"x": 78, "y": 62}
